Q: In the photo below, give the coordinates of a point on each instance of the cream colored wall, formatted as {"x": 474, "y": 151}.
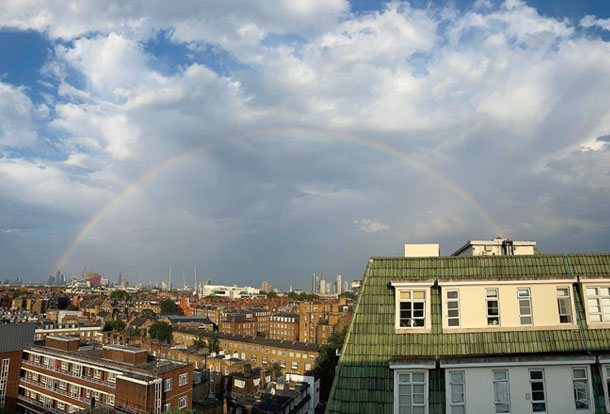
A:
{"x": 584, "y": 286}
{"x": 473, "y": 308}
{"x": 558, "y": 386}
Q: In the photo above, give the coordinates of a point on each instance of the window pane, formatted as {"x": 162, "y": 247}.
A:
{"x": 492, "y": 293}
{"x": 452, "y": 305}
{"x": 579, "y": 373}
{"x": 539, "y": 407}
{"x": 500, "y": 375}
{"x": 419, "y": 294}
{"x": 535, "y": 374}
{"x": 457, "y": 376}
{"x": 526, "y": 320}
{"x": 405, "y": 410}
{"x": 404, "y": 399}
{"x": 418, "y": 377}
{"x": 562, "y": 292}
{"x": 502, "y": 408}
{"x": 604, "y": 291}
{"x": 591, "y": 291}
{"x": 405, "y": 295}
{"x": 453, "y": 322}
{"x": 523, "y": 292}
{"x": 404, "y": 390}
{"x": 404, "y": 377}
{"x": 453, "y": 313}
{"x": 457, "y": 409}
{"x": 452, "y": 294}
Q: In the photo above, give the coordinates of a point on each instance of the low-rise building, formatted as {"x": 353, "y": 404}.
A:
{"x": 61, "y": 376}
{"x": 293, "y": 357}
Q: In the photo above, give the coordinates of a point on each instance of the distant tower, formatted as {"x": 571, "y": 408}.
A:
{"x": 313, "y": 283}
{"x": 345, "y": 286}
{"x": 266, "y": 286}
{"x": 120, "y": 279}
{"x": 339, "y": 285}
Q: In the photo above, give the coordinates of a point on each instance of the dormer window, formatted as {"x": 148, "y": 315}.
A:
{"x": 412, "y": 308}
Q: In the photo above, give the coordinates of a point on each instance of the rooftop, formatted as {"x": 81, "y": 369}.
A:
{"x": 371, "y": 341}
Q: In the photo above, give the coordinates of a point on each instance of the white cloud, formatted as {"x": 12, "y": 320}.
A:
{"x": 592, "y": 21}
{"x": 370, "y": 225}
{"x": 18, "y": 116}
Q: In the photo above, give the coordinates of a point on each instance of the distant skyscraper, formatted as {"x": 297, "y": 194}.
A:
{"x": 339, "y": 285}
{"x": 120, "y": 279}
{"x": 208, "y": 282}
{"x": 345, "y": 286}
{"x": 266, "y": 286}
{"x": 313, "y": 283}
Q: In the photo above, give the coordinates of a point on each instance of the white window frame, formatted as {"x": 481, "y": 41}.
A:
{"x": 182, "y": 402}
{"x": 524, "y": 294}
{"x": 450, "y": 382}
{"x": 168, "y": 385}
{"x": 543, "y": 381}
{"x": 183, "y": 379}
{"x": 581, "y": 381}
{"x": 489, "y": 299}
{"x": 454, "y": 300}
{"x": 397, "y": 382}
{"x": 567, "y": 314}
{"x": 599, "y": 299}
{"x": 110, "y": 399}
{"x": 497, "y": 382}
{"x": 167, "y": 406}
{"x": 400, "y": 300}
{"x": 294, "y": 365}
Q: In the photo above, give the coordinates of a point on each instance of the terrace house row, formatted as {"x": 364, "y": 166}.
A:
{"x": 479, "y": 334}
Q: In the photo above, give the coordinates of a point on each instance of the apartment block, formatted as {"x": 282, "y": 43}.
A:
{"x": 284, "y": 326}
{"x": 61, "y": 376}
{"x": 14, "y": 338}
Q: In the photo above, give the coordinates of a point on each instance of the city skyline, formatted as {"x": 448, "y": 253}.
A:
{"x": 268, "y": 141}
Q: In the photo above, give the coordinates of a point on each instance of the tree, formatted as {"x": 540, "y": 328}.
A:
{"x": 327, "y": 362}
{"x": 272, "y": 295}
{"x": 213, "y": 343}
{"x": 302, "y": 296}
{"x": 199, "y": 342}
{"x": 120, "y": 295}
{"x": 71, "y": 307}
{"x": 349, "y": 295}
{"x": 168, "y": 306}
{"x": 277, "y": 369}
{"x": 261, "y": 334}
{"x": 161, "y": 331}
{"x": 149, "y": 311}
{"x": 136, "y": 332}
{"x": 115, "y": 325}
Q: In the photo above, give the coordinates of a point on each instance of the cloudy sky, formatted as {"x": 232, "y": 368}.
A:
{"x": 267, "y": 140}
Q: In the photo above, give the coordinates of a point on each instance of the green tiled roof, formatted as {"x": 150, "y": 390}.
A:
{"x": 364, "y": 382}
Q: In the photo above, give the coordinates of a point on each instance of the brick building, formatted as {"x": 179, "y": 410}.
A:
{"x": 239, "y": 324}
{"x": 61, "y": 376}
{"x": 294, "y": 357}
{"x": 284, "y": 326}
{"x": 13, "y": 339}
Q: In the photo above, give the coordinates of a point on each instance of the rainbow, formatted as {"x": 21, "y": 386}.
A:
{"x": 341, "y": 136}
